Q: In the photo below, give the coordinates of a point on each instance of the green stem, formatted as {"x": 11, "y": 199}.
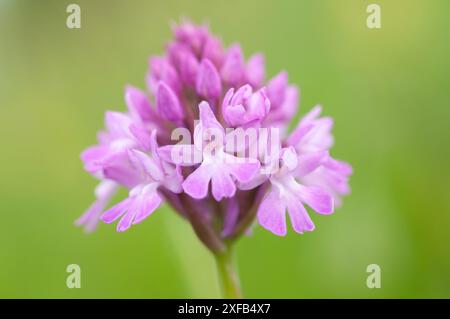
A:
{"x": 228, "y": 277}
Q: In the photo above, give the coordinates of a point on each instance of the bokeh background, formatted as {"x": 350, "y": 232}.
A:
{"x": 387, "y": 89}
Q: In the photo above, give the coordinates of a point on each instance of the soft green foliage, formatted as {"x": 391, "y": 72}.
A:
{"x": 387, "y": 89}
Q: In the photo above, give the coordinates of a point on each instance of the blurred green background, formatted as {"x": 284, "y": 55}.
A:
{"x": 387, "y": 89}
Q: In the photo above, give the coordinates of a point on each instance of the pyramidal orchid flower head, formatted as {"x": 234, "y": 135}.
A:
{"x": 238, "y": 165}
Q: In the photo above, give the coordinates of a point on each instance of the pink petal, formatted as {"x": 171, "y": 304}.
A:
{"x": 272, "y": 213}
{"x": 146, "y": 164}
{"x": 162, "y": 70}
{"x": 276, "y": 89}
{"x": 126, "y": 220}
{"x": 207, "y": 117}
{"x": 317, "y": 199}
{"x": 290, "y": 104}
{"x": 92, "y": 157}
{"x": 180, "y": 154}
{"x": 117, "y": 124}
{"x": 138, "y": 104}
{"x": 208, "y": 82}
{"x": 213, "y": 51}
{"x": 233, "y": 68}
{"x": 341, "y": 167}
{"x": 209, "y": 133}
{"x": 174, "y": 180}
{"x": 168, "y": 104}
{"x": 312, "y": 115}
{"x": 116, "y": 211}
{"x": 255, "y": 70}
{"x": 300, "y": 219}
{"x": 309, "y": 162}
{"x": 222, "y": 185}
{"x": 234, "y": 115}
{"x": 91, "y": 217}
{"x": 123, "y": 175}
{"x": 141, "y": 135}
{"x": 148, "y": 203}
{"x": 196, "y": 184}
{"x": 244, "y": 172}
{"x": 299, "y": 133}
{"x": 189, "y": 67}
{"x": 289, "y": 158}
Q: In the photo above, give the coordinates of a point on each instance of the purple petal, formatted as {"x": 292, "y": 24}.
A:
{"x": 196, "y": 184}
{"x": 117, "y": 124}
{"x": 142, "y": 135}
{"x": 222, "y": 185}
{"x": 288, "y": 108}
{"x": 126, "y": 220}
{"x": 244, "y": 172}
{"x": 289, "y": 158}
{"x": 309, "y": 162}
{"x": 189, "y": 68}
{"x": 162, "y": 70}
{"x": 180, "y": 154}
{"x": 213, "y": 51}
{"x": 190, "y": 35}
{"x": 299, "y": 133}
{"x": 276, "y": 89}
{"x": 255, "y": 70}
{"x": 147, "y": 205}
{"x": 244, "y": 106}
{"x": 207, "y": 118}
{"x": 259, "y": 104}
{"x": 317, "y": 199}
{"x": 272, "y": 213}
{"x": 312, "y": 115}
{"x": 103, "y": 193}
{"x": 234, "y": 115}
{"x": 208, "y": 80}
{"x": 290, "y": 104}
{"x": 124, "y": 175}
{"x": 233, "y": 68}
{"x": 116, "y": 211}
{"x": 168, "y": 104}
{"x": 339, "y": 166}
{"x": 91, "y": 217}
{"x": 174, "y": 180}
{"x": 92, "y": 157}
{"x": 138, "y": 104}
{"x": 146, "y": 164}
{"x": 300, "y": 219}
